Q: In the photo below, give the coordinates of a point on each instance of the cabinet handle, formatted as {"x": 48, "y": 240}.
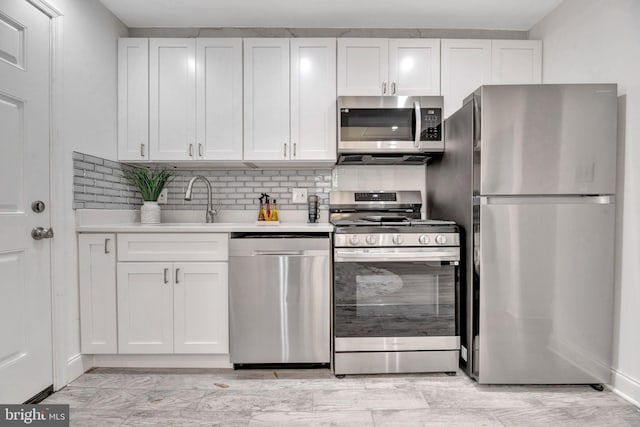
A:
{"x": 285, "y": 151}
{"x": 393, "y": 88}
{"x": 200, "y": 150}
{"x": 177, "y": 273}
{"x": 166, "y": 276}
{"x": 294, "y": 149}
{"x": 106, "y": 246}
{"x": 190, "y": 150}
{"x": 141, "y": 150}
{"x": 384, "y": 88}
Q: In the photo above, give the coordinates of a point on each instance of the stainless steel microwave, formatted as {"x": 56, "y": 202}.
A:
{"x": 388, "y": 127}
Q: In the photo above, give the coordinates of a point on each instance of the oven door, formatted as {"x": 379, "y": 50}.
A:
{"x": 390, "y": 299}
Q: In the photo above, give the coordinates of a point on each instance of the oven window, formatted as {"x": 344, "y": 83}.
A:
{"x": 394, "y": 299}
{"x": 380, "y": 124}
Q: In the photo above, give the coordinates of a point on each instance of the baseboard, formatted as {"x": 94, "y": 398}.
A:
{"x": 161, "y": 361}
{"x": 626, "y": 387}
{"x": 77, "y": 365}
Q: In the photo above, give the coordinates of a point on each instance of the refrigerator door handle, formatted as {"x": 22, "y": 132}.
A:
{"x": 477, "y": 123}
{"x": 547, "y": 200}
{"x": 418, "y": 114}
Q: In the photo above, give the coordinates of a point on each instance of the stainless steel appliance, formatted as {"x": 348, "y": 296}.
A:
{"x": 279, "y": 298}
{"x": 389, "y": 129}
{"x": 529, "y": 174}
{"x": 395, "y": 285}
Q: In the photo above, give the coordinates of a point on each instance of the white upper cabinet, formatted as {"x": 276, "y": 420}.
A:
{"x": 172, "y": 100}
{"x": 266, "y": 99}
{"x": 414, "y": 67}
{"x": 388, "y": 67}
{"x": 469, "y": 64}
{"x": 363, "y": 66}
{"x": 313, "y": 99}
{"x": 219, "y": 99}
{"x": 133, "y": 99}
{"x": 289, "y": 100}
{"x": 466, "y": 65}
{"x": 516, "y": 61}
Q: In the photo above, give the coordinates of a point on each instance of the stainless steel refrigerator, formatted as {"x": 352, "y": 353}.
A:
{"x": 529, "y": 173}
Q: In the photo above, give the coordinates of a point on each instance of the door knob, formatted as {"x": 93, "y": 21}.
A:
{"x": 40, "y": 233}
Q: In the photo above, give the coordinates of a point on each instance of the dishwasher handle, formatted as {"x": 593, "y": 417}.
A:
{"x": 290, "y": 253}
{"x": 259, "y": 253}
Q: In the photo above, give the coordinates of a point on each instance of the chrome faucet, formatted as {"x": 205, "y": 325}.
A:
{"x": 187, "y": 196}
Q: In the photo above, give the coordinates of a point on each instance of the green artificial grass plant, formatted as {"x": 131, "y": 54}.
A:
{"x": 150, "y": 182}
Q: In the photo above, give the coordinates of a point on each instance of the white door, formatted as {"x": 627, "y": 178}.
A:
{"x": 172, "y": 99}
{"x": 363, "y": 67}
{"x": 516, "y": 61}
{"x": 466, "y": 65}
{"x": 133, "y": 99}
{"x": 145, "y": 307}
{"x": 201, "y": 312}
{"x": 313, "y": 99}
{"x": 25, "y": 265}
{"x": 414, "y": 67}
{"x": 266, "y": 99}
{"x": 97, "y": 277}
{"x": 219, "y": 99}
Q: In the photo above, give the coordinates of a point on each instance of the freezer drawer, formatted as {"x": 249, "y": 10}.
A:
{"x": 279, "y": 299}
{"x": 545, "y": 290}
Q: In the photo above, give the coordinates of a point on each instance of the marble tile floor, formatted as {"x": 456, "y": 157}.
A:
{"x": 314, "y": 397}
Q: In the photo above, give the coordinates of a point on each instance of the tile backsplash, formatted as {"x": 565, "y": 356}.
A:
{"x": 100, "y": 184}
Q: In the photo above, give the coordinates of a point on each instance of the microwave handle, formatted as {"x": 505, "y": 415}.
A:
{"x": 418, "y": 112}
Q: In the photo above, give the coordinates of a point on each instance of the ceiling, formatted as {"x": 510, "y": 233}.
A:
{"x": 465, "y": 14}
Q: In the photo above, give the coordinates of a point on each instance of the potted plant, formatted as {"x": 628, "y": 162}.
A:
{"x": 150, "y": 183}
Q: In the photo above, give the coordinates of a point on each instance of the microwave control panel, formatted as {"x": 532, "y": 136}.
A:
{"x": 431, "y": 128}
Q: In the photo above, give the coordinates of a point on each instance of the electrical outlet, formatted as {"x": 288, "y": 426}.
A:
{"x": 162, "y": 199}
{"x": 299, "y": 195}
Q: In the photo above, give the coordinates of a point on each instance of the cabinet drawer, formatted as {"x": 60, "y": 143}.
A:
{"x": 173, "y": 247}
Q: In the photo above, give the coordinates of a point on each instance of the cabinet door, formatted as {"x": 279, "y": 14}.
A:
{"x": 219, "y": 99}
{"x": 363, "y": 67}
{"x": 414, "y": 67}
{"x": 133, "y": 99}
{"x": 313, "y": 99}
{"x": 466, "y": 65}
{"x": 516, "y": 61}
{"x": 172, "y": 99}
{"x": 201, "y": 309}
{"x": 266, "y": 99}
{"x": 97, "y": 276}
{"x": 145, "y": 307}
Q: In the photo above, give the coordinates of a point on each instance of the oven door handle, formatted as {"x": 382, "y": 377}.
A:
{"x": 361, "y": 256}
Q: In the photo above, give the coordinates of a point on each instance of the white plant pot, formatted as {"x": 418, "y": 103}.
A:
{"x": 150, "y": 213}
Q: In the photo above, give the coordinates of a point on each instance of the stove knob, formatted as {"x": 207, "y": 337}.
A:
{"x": 397, "y": 239}
{"x": 441, "y": 239}
{"x": 354, "y": 239}
{"x": 423, "y": 240}
{"x": 371, "y": 239}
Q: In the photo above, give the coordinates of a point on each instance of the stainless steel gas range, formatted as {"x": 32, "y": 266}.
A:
{"x": 395, "y": 286}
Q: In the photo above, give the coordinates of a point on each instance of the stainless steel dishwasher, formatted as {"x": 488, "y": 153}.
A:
{"x": 279, "y": 298}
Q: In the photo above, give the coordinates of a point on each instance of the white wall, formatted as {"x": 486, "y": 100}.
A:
{"x": 588, "y": 41}
{"x": 88, "y": 123}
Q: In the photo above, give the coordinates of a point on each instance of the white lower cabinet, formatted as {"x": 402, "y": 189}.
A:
{"x": 172, "y": 308}
{"x": 145, "y": 307}
{"x": 97, "y": 278}
{"x": 200, "y": 308}
{"x": 168, "y": 307}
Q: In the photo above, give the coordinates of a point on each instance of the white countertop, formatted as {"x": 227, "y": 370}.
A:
{"x": 221, "y": 227}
